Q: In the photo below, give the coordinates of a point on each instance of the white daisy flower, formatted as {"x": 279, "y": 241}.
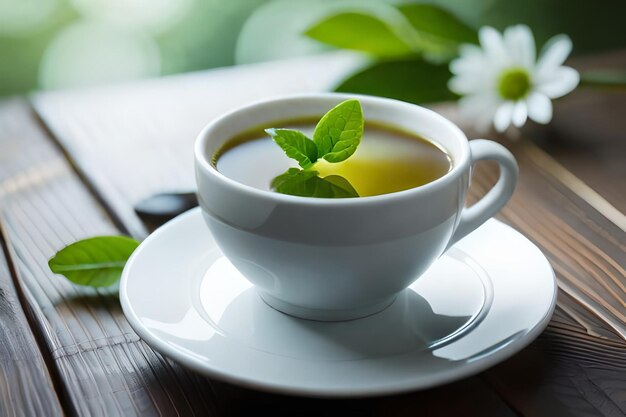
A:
{"x": 502, "y": 81}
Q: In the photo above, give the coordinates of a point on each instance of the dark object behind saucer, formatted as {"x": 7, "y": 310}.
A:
{"x": 159, "y": 208}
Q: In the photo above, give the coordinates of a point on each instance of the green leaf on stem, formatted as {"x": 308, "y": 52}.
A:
{"x": 414, "y": 80}
{"x": 364, "y": 32}
{"x": 385, "y": 31}
{"x": 438, "y": 25}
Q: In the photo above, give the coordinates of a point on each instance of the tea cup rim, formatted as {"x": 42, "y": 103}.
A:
{"x": 461, "y": 160}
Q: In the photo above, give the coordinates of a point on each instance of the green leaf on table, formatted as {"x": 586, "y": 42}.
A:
{"x": 307, "y": 183}
{"x": 365, "y": 31}
{"x": 414, "y": 80}
{"x": 94, "y": 262}
{"x": 339, "y": 132}
{"x": 296, "y": 145}
{"x": 438, "y": 25}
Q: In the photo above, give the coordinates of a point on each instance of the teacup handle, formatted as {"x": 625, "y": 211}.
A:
{"x": 500, "y": 193}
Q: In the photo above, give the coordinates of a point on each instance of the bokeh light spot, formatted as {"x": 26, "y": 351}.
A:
{"x": 22, "y": 17}
{"x": 89, "y": 53}
{"x": 154, "y": 16}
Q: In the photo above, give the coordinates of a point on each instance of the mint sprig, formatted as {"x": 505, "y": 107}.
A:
{"x": 335, "y": 139}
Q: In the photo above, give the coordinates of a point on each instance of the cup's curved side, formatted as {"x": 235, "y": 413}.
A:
{"x": 344, "y": 281}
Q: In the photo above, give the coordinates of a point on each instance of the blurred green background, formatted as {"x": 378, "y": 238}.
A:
{"x": 55, "y": 44}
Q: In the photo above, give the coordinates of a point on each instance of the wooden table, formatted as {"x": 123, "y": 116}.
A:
{"x": 72, "y": 164}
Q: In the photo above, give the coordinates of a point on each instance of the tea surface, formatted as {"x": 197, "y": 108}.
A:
{"x": 386, "y": 161}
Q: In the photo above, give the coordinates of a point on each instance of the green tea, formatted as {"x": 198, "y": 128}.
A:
{"x": 386, "y": 161}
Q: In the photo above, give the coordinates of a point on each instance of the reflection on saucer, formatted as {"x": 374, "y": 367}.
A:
{"x": 427, "y": 315}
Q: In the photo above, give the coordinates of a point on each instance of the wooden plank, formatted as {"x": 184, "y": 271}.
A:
{"x": 106, "y": 369}
{"x": 565, "y": 372}
{"x": 586, "y": 134}
{"x": 542, "y": 382}
{"x": 586, "y": 248}
{"x": 587, "y": 138}
{"x": 26, "y": 386}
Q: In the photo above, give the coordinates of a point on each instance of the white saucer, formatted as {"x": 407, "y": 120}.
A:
{"x": 484, "y": 300}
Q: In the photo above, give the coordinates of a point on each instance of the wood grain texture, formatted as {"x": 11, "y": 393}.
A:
{"x": 565, "y": 372}
{"x": 26, "y": 387}
{"x": 134, "y": 141}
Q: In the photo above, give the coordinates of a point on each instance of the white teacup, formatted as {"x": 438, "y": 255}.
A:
{"x": 340, "y": 259}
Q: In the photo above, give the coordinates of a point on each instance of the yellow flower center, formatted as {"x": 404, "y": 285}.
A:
{"x": 514, "y": 83}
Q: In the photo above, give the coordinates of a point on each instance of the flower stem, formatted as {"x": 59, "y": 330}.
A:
{"x": 604, "y": 80}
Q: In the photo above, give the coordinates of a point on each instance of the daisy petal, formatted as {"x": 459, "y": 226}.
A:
{"x": 503, "y": 116}
{"x": 539, "y": 108}
{"x": 474, "y": 105}
{"x": 469, "y": 50}
{"x": 461, "y": 85}
{"x": 520, "y": 113}
{"x": 467, "y": 83}
{"x": 520, "y": 44}
{"x": 560, "y": 81}
{"x": 479, "y": 110}
{"x": 493, "y": 45}
{"x": 553, "y": 55}
{"x": 469, "y": 63}
{"x": 482, "y": 123}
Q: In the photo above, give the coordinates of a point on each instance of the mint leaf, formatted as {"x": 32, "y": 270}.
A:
{"x": 339, "y": 132}
{"x": 94, "y": 262}
{"x": 307, "y": 183}
{"x": 296, "y": 145}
